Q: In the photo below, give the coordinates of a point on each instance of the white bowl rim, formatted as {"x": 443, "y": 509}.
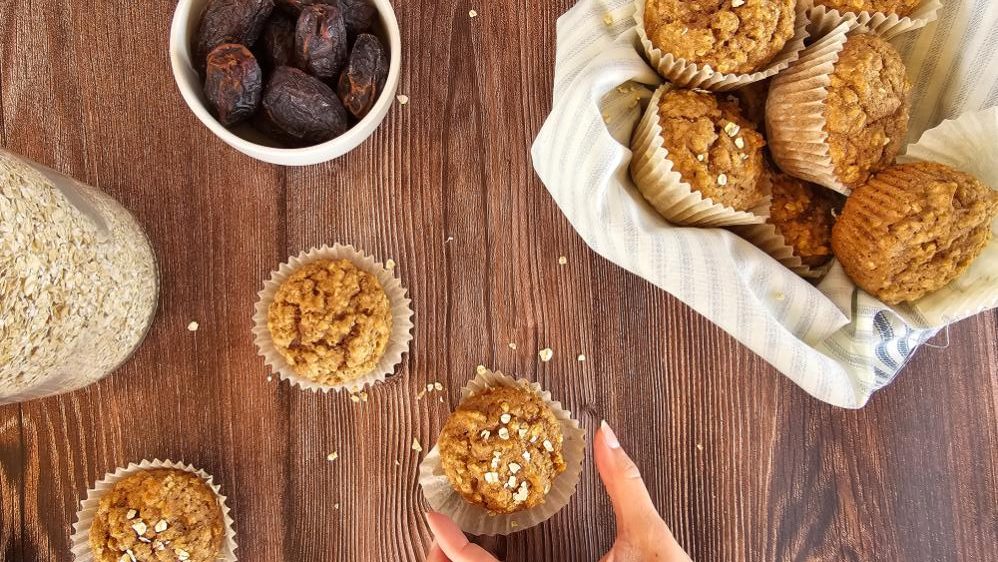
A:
{"x": 180, "y": 57}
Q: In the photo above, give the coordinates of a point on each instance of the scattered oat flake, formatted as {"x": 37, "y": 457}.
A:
{"x": 740, "y": 143}
{"x": 193, "y": 326}
{"x": 562, "y": 260}
{"x": 722, "y": 179}
{"x": 161, "y": 526}
{"x": 779, "y": 296}
{"x": 390, "y": 264}
{"x": 354, "y": 398}
{"x": 130, "y": 514}
{"x": 139, "y": 527}
{"x": 512, "y": 346}
{"x": 438, "y": 386}
{"x": 513, "y": 524}
{"x": 581, "y": 357}
{"x": 472, "y": 14}
{"x": 182, "y": 555}
{"x": 336, "y": 506}
{"x": 332, "y": 456}
{"x": 481, "y": 370}
{"x": 699, "y": 447}
{"x": 545, "y": 354}
{"x": 737, "y": 3}
{"x": 363, "y": 396}
{"x": 416, "y": 446}
{"x": 448, "y": 239}
{"x": 429, "y": 387}
{"x": 608, "y": 18}
{"x": 270, "y": 378}
{"x": 402, "y": 99}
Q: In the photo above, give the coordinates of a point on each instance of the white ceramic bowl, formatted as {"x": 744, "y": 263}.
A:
{"x": 247, "y": 140}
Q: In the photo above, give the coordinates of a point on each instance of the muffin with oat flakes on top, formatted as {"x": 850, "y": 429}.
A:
{"x": 712, "y": 146}
{"x": 158, "y": 515}
{"x": 502, "y": 449}
{"x": 736, "y": 36}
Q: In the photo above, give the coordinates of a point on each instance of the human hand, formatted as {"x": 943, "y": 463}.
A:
{"x": 642, "y": 535}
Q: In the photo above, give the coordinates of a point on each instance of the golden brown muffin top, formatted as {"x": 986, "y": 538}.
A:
{"x": 899, "y": 7}
{"x": 804, "y": 214}
{"x": 502, "y": 449}
{"x": 158, "y": 515}
{"x": 716, "y": 150}
{"x": 866, "y": 112}
{"x": 732, "y": 36}
{"x": 912, "y": 229}
{"x": 330, "y": 321}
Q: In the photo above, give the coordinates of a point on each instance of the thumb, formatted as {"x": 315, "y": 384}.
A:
{"x": 631, "y": 502}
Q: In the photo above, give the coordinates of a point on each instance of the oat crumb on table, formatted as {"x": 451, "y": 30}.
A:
{"x": 502, "y": 449}
{"x": 330, "y": 321}
{"x": 158, "y": 515}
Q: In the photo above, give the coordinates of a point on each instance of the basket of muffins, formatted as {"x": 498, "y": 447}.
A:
{"x": 802, "y": 161}
{"x": 508, "y": 458}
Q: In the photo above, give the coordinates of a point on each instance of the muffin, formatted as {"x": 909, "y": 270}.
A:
{"x": 741, "y": 36}
{"x": 330, "y": 321}
{"x": 866, "y": 112}
{"x": 160, "y": 515}
{"x": 912, "y": 229}
{"x": 713, "y": 148}
{"x": 804, "y": 213}
{"x": 899, "y": 7}
{"x": 502, "y": 449}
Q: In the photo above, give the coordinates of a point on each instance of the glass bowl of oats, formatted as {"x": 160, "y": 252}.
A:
{"x": 78, "y": 282}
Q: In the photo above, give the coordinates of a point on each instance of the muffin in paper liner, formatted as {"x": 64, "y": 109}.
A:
{"x": 824, "y": 20}
{"x": 795, "y": 119}
{"x": 690, "y": 75}
{"x": 967, "y": 144}
{"x": 768, "y": 238}
{"x": 398, "y": 341}
{"x": 80, "y": 539}
{"x": 665, "y": 188}
{"x": 476, "y": 519}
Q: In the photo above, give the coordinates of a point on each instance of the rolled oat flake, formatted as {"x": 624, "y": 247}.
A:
{"x": 78, "y": 282}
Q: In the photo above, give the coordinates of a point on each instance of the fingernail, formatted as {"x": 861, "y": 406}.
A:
{"x": 609, "y": 435}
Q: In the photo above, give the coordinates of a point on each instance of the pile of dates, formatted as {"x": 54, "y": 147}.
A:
{"x": 301, "y": 71}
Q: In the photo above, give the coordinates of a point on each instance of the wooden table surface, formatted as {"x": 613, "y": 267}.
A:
{"x": 742, "y": 463}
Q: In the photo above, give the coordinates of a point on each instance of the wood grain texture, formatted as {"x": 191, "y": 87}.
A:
{"x": 742, "y": 464}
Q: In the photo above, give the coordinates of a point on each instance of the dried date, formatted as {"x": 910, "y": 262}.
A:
{"x": 358, "y": 15}
{"x": 229, "y": 21}
{"x": 233, "y": 83}
{"x": 321, "y": 45}
{"x": 278, "y": 41}
{"x": 365, "y": 74}
{"x": 300, "y": 109}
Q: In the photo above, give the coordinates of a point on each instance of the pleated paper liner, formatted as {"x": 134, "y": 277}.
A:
{"x": 690, "y": 75}
{"x": 80, "y": 539}
{"x": 664, "y": 187}
{"x": 795, "y": 112}
{"x": 477, "y": 520}
{"x": 966, "y": 143}
{"x": 398, "y": 342}
{"x": 824, "y": 19}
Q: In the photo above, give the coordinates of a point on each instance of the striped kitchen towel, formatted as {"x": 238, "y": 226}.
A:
{"x": 835, "y": 341}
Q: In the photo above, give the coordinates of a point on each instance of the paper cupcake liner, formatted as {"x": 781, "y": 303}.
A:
{"x": 80, "y": 539}
{"x": 690, "y": 75}
{"x": 398, "y": 341}
{"x": 824, "y": 20}
{"x": 767, "y": 238}
{"x": 967, "y": 144}
{"x": 477, "y": 520}
{"x": 665, "y": 188}
{"x": 795, "y": 118}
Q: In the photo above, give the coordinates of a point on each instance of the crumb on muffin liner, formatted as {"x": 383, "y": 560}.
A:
{"x": 967, "y": 144}
{"x": 477, "y": 520}
{"x": 690, "y": 75}
{"x": 664, "y": 188}
{"x": 824, "y": 20}
{"x": 795, "y": 116}
{"x": 80, "y": 539}
{"x": 398, "y": 341}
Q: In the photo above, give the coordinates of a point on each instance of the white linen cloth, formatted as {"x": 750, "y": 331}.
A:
{"x": 836, "y": 342}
